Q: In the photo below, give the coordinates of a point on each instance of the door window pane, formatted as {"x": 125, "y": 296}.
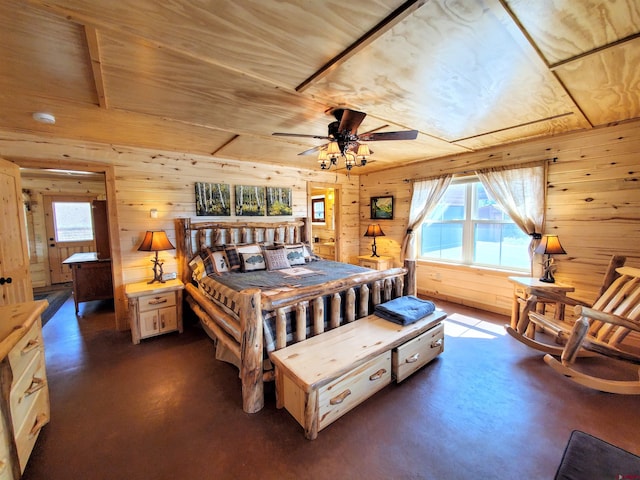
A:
{"x": 73, "y": 221}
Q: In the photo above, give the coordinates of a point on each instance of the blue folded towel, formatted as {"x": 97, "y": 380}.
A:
{"x": 404, "y": 310}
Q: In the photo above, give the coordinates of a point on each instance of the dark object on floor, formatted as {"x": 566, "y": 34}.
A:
{"x": 589, "y": 458}
{"x": 56, "y": 298}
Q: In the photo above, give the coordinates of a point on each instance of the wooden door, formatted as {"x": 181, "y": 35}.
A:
{"x": 66, "y": 238}
{"x": 15, "y": 278}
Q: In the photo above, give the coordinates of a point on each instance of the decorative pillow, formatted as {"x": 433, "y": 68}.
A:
{"x": 276, "y": 259}
{"x": 252, "y": 261}
{"x": 295, "y": 254}
{"x": 249, "y": 248}
{"x": 207, "y": 259}
{"x": 220, "y": 262}
{"x": 197, "y": 268}
{"x": 233, "y": 258}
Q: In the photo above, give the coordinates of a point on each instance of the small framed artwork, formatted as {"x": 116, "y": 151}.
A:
{"x": 213, "y": 199}
{"x": 317, "y": 210}
{"x": 279, "y": 201}
{"x": 250, "y": 201}
{"x": 382, "y": 208}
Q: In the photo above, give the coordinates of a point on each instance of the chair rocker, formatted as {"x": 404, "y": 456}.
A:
{"x": 532, "y": 321}
{"x": 601, "y": 329}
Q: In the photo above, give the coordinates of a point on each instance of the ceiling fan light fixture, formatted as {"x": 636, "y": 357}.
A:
{"x": 333, "y": 149}
{"x": 363, "y": 153}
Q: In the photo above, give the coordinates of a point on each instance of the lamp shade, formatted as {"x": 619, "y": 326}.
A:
{"x": 333, "y": 148}
{"x": 374, "y": 230}
{"x": 550, "y": 245}
{"x": 154, "y": 241}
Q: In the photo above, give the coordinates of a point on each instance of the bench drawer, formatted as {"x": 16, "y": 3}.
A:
{"x": 351, "y": 389}
{"x": 414, "y": 354}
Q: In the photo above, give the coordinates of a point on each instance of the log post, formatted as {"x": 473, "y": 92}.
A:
{"x": 336, "y": 301}
{"x": 251, "y": 352}
{"x": 318, "y": 315}
{"x": 411, "y": 284}
{"x": 301, "y": 321}
{"x": 350, "y": 306}
{"x": 363, "y": 309}
{"x": 281, "y": 329}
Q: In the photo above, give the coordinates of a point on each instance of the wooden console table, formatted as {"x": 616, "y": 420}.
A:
{"x": 320, "y": 379}
{"x": 91, "y": 277}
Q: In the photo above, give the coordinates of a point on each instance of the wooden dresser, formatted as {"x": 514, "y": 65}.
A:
{"x": 24, "y": 393}
{"x": 91, "y": 277}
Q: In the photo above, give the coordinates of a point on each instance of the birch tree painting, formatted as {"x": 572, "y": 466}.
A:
{"x": 213, "y": 199}
{"x": 250, "y": 200}
{"x": 279, "y": 201}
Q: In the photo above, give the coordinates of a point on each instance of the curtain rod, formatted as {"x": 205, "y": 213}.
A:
{"x": 469, "y": 172}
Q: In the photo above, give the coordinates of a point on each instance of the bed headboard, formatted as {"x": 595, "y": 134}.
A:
{"x": 192, "y": 237}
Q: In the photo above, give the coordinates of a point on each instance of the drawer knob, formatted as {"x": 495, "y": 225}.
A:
{"x": 413, "y": 358}
{"x": 41, "y": 420}
{"x": 158, "y": 301}
{"x": 437, "y": 343}
{"x": 378, "y": 375}
{"x": 36, "y": 384}
{"x": 340, "y": 398}
{"x": 31, "y": 345}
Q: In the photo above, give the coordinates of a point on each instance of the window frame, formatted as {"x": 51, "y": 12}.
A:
{"x": 469, "y": 224}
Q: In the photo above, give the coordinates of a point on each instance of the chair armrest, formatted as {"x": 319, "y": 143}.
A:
{"x": 606, "y": 317}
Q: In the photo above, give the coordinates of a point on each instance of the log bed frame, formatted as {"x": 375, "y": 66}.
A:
{"x": 234, "y": 320}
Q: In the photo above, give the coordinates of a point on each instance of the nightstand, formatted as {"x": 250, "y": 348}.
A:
{"x": 522, "y": 291}
{"x": 154, "y": 308}
{"x": 377, "y": 263}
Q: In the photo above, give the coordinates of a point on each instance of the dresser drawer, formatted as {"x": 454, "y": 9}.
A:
{"x": 351, "y": 389}
{"x": 29, "y": 346}
{"x": 152, "y": 302}
{"x": 36, "y": 418}
{"x": 25, "y": 390}
{"x": 410, "y": 356}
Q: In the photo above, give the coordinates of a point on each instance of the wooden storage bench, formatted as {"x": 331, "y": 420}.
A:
{"x": 320, "y": 379}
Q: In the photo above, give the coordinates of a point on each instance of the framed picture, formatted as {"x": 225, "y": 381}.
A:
{"x": 382, "y": 208}
{"x": 250, "y": 201}
{"x": 213, "y": 199}
{"x": 317, "y": 210}
{"x": 279, "y": 201}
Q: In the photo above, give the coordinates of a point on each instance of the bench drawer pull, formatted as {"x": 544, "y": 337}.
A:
{"x": 378, "y": 375}
{"x": 413, "y": 358}
{"x": 437, "y": 343}
{"x": 340, "y": 398}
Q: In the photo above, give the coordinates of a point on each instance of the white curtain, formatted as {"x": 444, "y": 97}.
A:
{"x": 520, "y": 191}
{"x": 425, "y": 197}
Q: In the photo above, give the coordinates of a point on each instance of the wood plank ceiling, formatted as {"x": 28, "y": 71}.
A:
{"x": 219, "y": 77}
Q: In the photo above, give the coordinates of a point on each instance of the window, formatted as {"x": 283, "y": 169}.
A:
{"x": 73, "y": 221}
{"x": 468, "y": 227}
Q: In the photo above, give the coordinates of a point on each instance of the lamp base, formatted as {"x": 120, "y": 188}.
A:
{"x": 157, "y": 271}
{"x": 374, "y": 253}
{"x": 547, "y": 276}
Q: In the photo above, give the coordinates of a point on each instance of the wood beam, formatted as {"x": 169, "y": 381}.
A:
{"x": 96, "y": 64}
{"x": 381, "y": 28}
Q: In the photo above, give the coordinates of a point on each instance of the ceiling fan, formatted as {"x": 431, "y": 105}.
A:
{"x": 345, "y": 141}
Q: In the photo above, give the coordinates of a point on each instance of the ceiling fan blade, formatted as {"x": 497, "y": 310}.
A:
{"x": 321, "y": 137}
{"x": 313, "y": 150}
{"x": 351, "y": 120}
{"x": 402, "y": 135}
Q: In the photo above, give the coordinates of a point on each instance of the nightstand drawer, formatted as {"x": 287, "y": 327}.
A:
{"x": 161, "y": 300}
{"x": 348, "y": 391}
{"x": 416, "y": 353}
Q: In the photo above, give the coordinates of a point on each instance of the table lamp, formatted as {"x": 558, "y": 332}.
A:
{"x": 155, "y": 241}
{"x": 549, "y": 245}
{"x": 374, "y": 231}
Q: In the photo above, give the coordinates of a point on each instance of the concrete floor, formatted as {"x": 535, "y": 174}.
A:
{"x": 487, "y": 408}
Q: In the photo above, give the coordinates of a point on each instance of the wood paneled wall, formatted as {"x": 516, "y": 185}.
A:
{"x": 146, "y": 179}
{"x": 39, "y": 186}
{"x": 593, "y": 204}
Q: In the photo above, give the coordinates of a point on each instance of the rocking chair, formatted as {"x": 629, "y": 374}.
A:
{"x": 532, "y": 321}
{"x": 599, "y": 330}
